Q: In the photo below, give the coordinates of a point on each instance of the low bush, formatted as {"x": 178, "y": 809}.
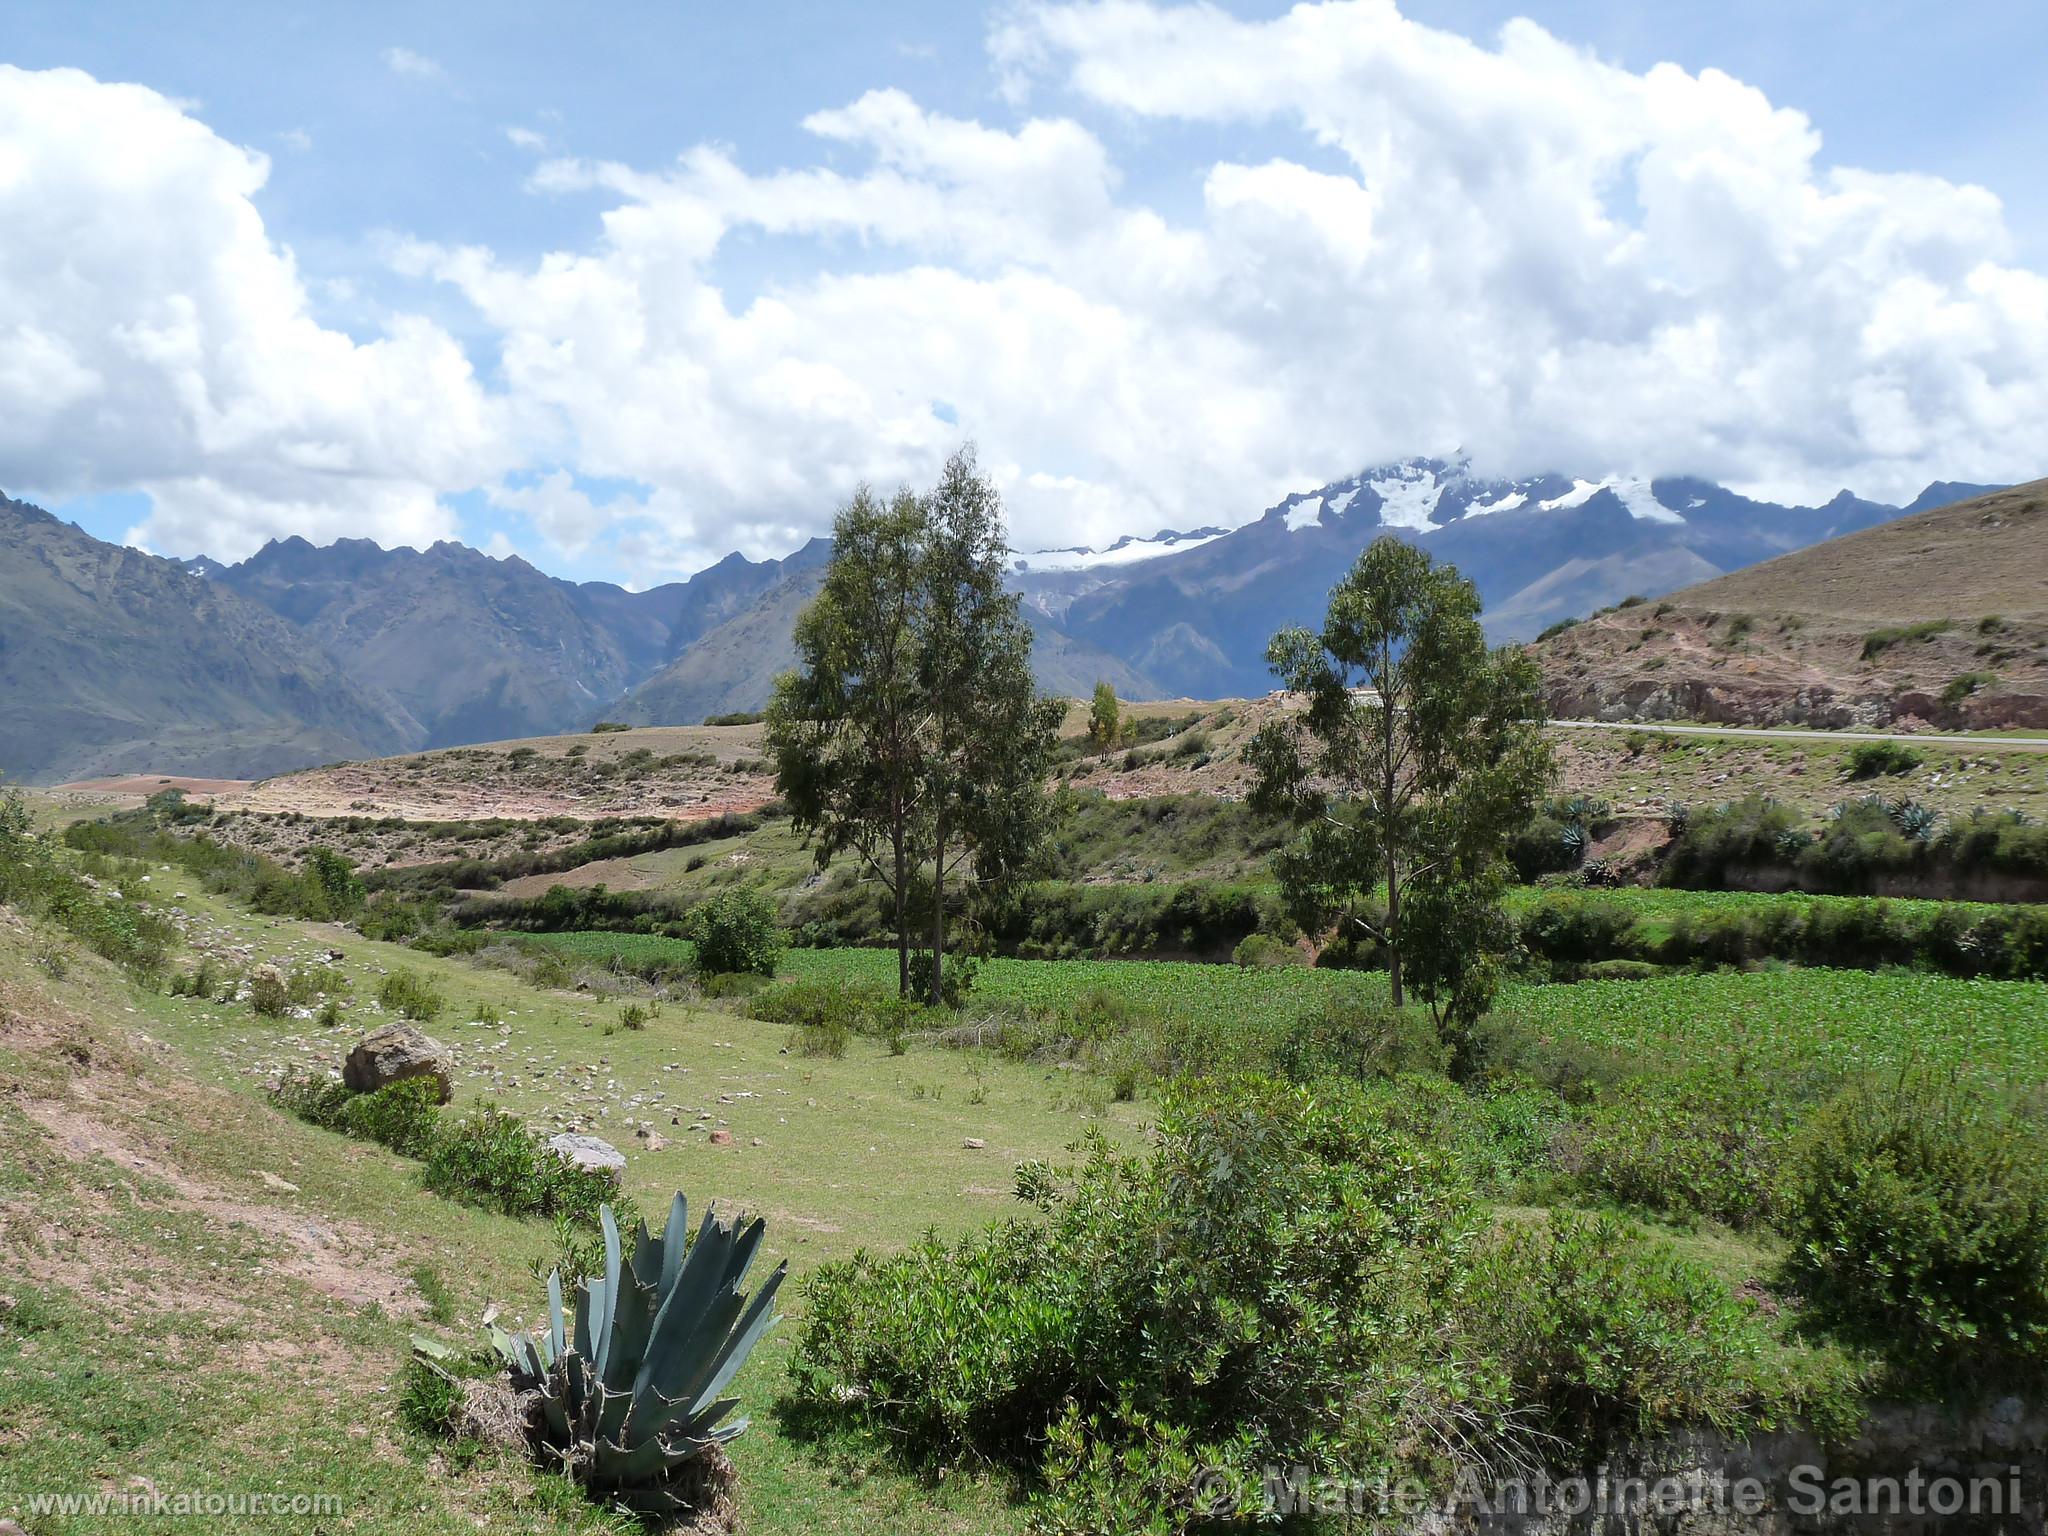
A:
{"x": 1605, "y": 1336}
{"x": 404, "y": 1116}
{"x": 270, "y": 994}
{"x": 736, "y": 934}
{"x": 1877, "y": 759}
{"x": 490, "y": 1159}
{"x": 411, "y": 996}
{"x": 1270, "y": 1224}
{"x": 1919, "y": 1211}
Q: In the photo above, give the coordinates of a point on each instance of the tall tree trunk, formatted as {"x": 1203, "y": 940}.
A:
{"x": 1390, "y": 741}
{"x": 902, "y": 915}
{"x": 1393, "y": 928}
{"x": 938, "y": 901}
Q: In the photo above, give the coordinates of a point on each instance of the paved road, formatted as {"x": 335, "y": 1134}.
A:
{"x": 1764, "y": 733}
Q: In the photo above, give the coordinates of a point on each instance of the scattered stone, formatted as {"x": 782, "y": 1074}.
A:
{"x": 721, "y": 1138}
{"x": 975, "y": 1144}
{"x": 588, "y": 1152}
{"x": 394, "y": 1052}
{"x": 272, "y": 1181}
{"x": 652, "y": 1141}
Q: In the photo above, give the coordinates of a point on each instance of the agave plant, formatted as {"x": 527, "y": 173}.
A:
{"x": 629, "y": 1394}
{"x": 1914, "y": 818}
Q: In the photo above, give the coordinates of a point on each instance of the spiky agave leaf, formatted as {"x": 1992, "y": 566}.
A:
{"x": 632, "y": 1391}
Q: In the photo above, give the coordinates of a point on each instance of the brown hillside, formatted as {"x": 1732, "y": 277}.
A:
{"x": 1987, "y": 556}
{"x": 1939, "y": 618}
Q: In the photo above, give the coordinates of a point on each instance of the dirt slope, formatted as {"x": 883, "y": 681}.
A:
{"x": 1940, "y": 618}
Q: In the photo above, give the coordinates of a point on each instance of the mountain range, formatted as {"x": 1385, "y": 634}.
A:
{"x": 112, "y": 660}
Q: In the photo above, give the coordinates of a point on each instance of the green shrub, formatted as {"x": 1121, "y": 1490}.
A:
{"x": 411, "y": 996}
{"x": 827, "y": 1038}
{"x": 736, "y": 934}
{"x": 270, "y": 994}
{"x": 1607, "y": 1336}
{"x": 1568, "y": 929}
{"x": 1876, "y": 759}
{"x": 956, "y": 980}
{"x": 1262, "y": 952}
{"x": 1155, "y": 1298}
{"x": 1878, "y": 641}
{"x": 861, "y": 1008}
{"x": 1966, "y": 686}
{"x": 1349, "y": 1036}
{"x": 1919, "y": 1210}
{"x": 404, "y": 1116}
{"x": 429, "y": 1400}
{"x": 490, "y": 1159}
{"x": 318, "y": 1098}
{"x": 1699, "y": 1146}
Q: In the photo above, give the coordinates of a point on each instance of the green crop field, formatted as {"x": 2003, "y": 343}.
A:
{"x": 1827, "y": 1019}
{"x": 1832, "y": 1020}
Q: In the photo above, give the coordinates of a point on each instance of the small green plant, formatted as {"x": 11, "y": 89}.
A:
{"x": 429, "y": 1400}
{"x": 270, "y": 994}
{"x": 1878, "y": 641}
{"x": 1919, "y": 1211}
{"x": 630, "y": 1391}
{"x": 434, "y": 1292}
{"x": 634, "y": 1016}
{"x": 411, "y": 996}
{"x": 1968, "y": 685}
{"x": 736, "y": 934}
{"x": 1878, "y": 759}
{"x": 607, "y": 727}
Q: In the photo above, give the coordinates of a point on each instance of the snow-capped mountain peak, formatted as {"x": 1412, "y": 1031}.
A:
{"x": 1127, "y": 550}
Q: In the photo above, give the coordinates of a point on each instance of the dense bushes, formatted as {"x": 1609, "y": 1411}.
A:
{"x": 111, "y": 923}
{"x": 1059, "y": 920}
{"x": 1863, "y": 841}
{"x": 1571, "y": 932}
{"x": 1289, "y": 1280}
{"x": 324, "y": 889}
{"x": 490, "y": 1159}
{"x": 608, "y": 840}
{"x": 487, "y": 1158}
{"x": 1607, "y": 1337}
{"x": 1920, "y": 1214}
{"x": 1270, "y": 1225}
{"x": 736, "y": 934}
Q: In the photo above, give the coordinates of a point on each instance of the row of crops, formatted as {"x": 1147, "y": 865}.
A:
{"x": 1771, "y": 1019}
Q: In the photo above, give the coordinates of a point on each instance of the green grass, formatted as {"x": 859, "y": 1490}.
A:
{"x": 1837, "y": 1021}
{"x": 148, "y": 1360}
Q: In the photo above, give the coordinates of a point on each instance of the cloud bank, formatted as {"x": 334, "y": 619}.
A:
{"x": 1507, "y": 246}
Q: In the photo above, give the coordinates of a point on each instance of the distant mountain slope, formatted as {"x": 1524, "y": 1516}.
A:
{"x": 734, "y": 666}
{"x": 1539, "y": 549}
{"x": 1988, "y": 555}
{"x": 482, "y": 649}
{"x": 1939, "y": 617}
{"x": 111, "y": 659}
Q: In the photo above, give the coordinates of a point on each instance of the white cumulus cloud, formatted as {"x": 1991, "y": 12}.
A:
{"x": 1508, "y": 245}
{"x": 155, "y": 338}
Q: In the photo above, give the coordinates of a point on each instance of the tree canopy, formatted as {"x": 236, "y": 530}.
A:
{"x": 1417, "y": 754}
{"x": 911, "y": 733}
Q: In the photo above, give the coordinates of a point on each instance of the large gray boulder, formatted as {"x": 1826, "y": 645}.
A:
{"x": 592, "y": 1154}
{"x": 394, "y": 1053}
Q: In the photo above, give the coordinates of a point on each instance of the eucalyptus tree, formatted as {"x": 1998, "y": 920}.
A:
{"x": 911, "y": 733}
{"x": 991, "y": 732}
{"x": 847, "y": 726}
{"x": 1416, "y": 754}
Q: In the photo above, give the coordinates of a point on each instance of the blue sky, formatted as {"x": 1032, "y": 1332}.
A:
{"x": 399, "y": 138}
